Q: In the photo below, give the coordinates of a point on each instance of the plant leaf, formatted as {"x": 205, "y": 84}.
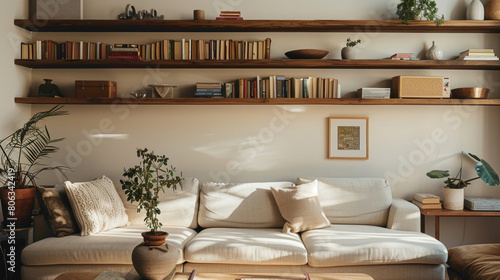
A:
{"x": 436, "y": 174}
{"x": 486, "y": 173}
{"x": 474, "y": 157}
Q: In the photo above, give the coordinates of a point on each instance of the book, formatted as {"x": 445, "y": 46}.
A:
{"x": 426, "y": 198}
{"x": 478, "y": 51}
{"x": 477, "y": 54}
{"x": 478, "y": 58}
{"x": 403, "y": 55}
{"x": 427, "y": 206}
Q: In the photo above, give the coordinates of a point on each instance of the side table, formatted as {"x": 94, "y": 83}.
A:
{"x": 22, "y": 238}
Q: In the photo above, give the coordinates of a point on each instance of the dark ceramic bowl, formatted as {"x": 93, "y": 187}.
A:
{"x": 306, "y": 54}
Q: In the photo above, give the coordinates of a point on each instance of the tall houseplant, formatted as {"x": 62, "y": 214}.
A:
{"x": 418, "y": 9}
{"x": 21, "y": 156}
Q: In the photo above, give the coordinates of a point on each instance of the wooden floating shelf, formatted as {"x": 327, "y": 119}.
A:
{"x": 257, "y": 101}
{"x": 267, "y": 63}
{"x": 371, "y": 26}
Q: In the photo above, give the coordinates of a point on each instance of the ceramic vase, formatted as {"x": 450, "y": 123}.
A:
{"x": 434, "y": 53}
{"x": 348, "y": 53}
{"x": 492, "y": 9}
{"x": 155, "y": 262}
{"x": 475, "y": 10}
{"x": 453, "y": 199}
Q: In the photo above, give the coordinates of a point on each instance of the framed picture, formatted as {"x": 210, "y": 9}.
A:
{"x": 347, "y": 138}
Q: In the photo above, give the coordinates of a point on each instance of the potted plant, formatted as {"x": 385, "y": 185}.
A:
{"x": 453, "y": 192}
{"x": 348, "y": 52}
{"x": 22, "y": 152}
{"x": 418, "y": 9}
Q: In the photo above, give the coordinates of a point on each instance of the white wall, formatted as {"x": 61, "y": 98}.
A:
{"x": 264, "y": 143}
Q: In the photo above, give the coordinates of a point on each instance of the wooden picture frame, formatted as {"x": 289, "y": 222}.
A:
{"x": 348, "y": 138}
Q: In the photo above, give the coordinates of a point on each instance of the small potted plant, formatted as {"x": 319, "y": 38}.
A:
{"x": 453, "y": 192}
{"x": 22, "y": 152}
{"x": 418, "y": 9}
{"x": 348, "y": 52}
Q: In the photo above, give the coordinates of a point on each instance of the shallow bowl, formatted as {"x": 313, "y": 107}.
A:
{"x": 306, "y": 54}
{"x": 471, "y": 92}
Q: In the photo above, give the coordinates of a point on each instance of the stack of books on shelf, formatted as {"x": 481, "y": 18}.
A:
{"x": 277, "y": 86}
{"x": 51, "y": 50}
{"x": 478, "y": 54}
{"x": 229, "y": 15}
{"x": 124, "y": 51}
{"x": 404, "y": 56}
{"x": 375, "y": 92}
{"x": 208, "y": 90}
{"x": 426, "y": 201}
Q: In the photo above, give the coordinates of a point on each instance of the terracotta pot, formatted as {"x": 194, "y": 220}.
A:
{"x": 453, "y": 199}
{"x": 492, "y": 9}
{"x": 156, "y": 239}
{"x": 155, "y": 262}
{"x": 23, "y": 203}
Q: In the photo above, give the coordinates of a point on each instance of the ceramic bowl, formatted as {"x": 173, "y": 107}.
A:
{"x": 472, "y": 92}
{"x": 306, "y": 54}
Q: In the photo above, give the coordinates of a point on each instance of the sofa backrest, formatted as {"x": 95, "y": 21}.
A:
{"x": 178, "y": 207}
{"x": 363, "y": 201}
{"x": 248, "y": 205}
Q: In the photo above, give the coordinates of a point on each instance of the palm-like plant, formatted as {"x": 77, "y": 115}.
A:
{"x": 23, "y": 150}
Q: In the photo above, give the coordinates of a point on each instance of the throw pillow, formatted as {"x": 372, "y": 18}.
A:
{"x": 56, "y": 206}
{"x": 299, "y": 206}
{"x": 96, "y": 205}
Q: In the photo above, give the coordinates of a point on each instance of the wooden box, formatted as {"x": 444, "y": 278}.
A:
{"x": 420, "y": 87}
{"x": 95, "y": 89}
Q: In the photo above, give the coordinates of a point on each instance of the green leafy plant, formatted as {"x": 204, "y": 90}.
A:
{"x": 23, "y": 150}
{"x": 352, "y": 43}
{"x": 483, "y": 170}
{"x": 418, "y": 9}
{"x": 145, "y": 181}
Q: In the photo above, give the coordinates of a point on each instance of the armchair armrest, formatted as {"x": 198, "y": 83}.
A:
{"x": 403, "y": 215}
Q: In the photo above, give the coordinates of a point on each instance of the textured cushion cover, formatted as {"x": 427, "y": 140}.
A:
{"x": 478, "y": 262}
{"x": 178, "y": 207}
{"x": 362, "y": 201}
{"x": 299, "y": 206}
{"x": 249, "y": 205}
{"x": 96, "y": 205}
{"x": 346, "y": 245}
{"x": 246, "y": 246}
{"x": 58, "y": 211}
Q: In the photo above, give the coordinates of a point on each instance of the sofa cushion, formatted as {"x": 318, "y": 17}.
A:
{"x": 246, "y": 246}
{"x": 57, "y": 209}
{"x": 179, "y": 208}
{"x": 361, "y": 201}
{"x": 249, "y": 205}
{"x": 110, "y": 247}
{"x": 476, "y": 261}
{"x": 347, "y": 245}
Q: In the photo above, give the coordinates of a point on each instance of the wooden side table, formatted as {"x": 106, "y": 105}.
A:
{"x": 437, "y": 213}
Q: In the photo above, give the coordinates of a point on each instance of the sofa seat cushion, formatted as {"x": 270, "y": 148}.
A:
{"x": 246, "y": 246}
{"x": 348, "y": 245}
{"x": 109, "y": 247}
{"x": 476, "y": 261}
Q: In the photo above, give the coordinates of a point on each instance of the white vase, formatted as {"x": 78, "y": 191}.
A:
{"x": 434, "y": 53}
{"x": 475, "y": 11}
{"x": 348, "y": 53}
{"x": 453, "y": 199}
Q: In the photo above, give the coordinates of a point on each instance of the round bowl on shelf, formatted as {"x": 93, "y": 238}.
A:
{"x": 470, "y": 92}
{"x": 306, "y": 54}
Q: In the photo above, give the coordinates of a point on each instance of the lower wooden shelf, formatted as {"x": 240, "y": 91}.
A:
{"x": 256, "y": 101}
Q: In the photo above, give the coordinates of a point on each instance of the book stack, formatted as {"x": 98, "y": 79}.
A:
{"x": 478, "y": 54}
{"x": 426, "y": 201}
{"x": 375, "y": 92}
{"x": 404, "y": 56}
{"x": 208, "y": 90}
{"x": 124, "y": 51}
{"x": 51, "y": 50}
{"x": 229, "y": 15}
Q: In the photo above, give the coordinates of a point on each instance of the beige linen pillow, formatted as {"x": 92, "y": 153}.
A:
{"x": 299, "y": 206}
{"x": 96, "y": 205}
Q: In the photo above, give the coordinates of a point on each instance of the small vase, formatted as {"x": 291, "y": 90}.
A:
{"x": 348, "y": 53}
{"x": 434, "y": 53}
{"x": 492, "y": 9}
{"x": 155, "y": 262}
{"x": 475, "y": 11}
{"x": 453, "y": 199}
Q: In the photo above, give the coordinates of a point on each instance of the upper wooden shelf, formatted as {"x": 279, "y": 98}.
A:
{"x": 449, "y": 26}
{"x": 269, "y": 63}
{"x": 255, "y": 101}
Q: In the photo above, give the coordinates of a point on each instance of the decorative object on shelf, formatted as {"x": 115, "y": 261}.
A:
{"x": 348, "y": 52}
{"x": 143, "y": 184}
{"x": 49, "y": 89}
{"x": 95, "y": 89}
{"x": 492, "y": 9}
{"x": 198, "y": 14}
{"x": 453, "y": 194}
{"x": 420, "y": 87}
{"x": 130, "y": 13}
{"x": 21, "y": 153}
{"x": 163, "y": 90}
{"x": 470, "y": 92}
{"x": 138, "y": 95}
{"x": 306, "y": 54}
{"x": 347, "y": 138}
{"x": 417, "y": 10}
{"x": 49, "y": 9}
{"x": 475, "y": 10}
{"x": 434, "y": 53}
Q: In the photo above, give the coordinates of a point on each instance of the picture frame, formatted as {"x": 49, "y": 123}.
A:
{"x": 348, "y": 138}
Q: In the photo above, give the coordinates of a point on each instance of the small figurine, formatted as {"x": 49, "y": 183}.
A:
{"x": 131, "y": 13}
{"x": 49, "y": 90}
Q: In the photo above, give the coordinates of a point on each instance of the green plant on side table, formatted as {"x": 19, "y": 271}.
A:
{"x": 453, "y": 192}
{"x": 418, "y": 9}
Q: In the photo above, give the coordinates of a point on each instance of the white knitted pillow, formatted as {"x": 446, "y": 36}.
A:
{"x": 96, "y": 205}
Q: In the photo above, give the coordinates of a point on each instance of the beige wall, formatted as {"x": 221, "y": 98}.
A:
{"x": 264, "y": 143}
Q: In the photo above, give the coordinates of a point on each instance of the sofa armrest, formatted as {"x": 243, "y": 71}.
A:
{"x": 403, "y": 215}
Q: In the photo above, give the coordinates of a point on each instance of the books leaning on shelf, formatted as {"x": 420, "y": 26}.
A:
{"x": 51, "y": 50}
{"x": 478, "y": 54}
{"x": 426, "y": 201}
{"x": 208, "y": 90}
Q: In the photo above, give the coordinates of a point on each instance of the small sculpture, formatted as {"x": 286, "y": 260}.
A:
{"x": 49, "y": 90}
{"x": 130, "y": 13}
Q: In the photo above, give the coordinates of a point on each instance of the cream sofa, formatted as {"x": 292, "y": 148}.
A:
{"x": 238, "y": 228}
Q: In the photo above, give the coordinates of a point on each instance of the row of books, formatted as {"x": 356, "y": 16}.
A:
{"x": 208, "y": 90}
{"x": 50, "y": 50}
{"x": 426, "y": 201}
{"x": 478, "y": 54}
